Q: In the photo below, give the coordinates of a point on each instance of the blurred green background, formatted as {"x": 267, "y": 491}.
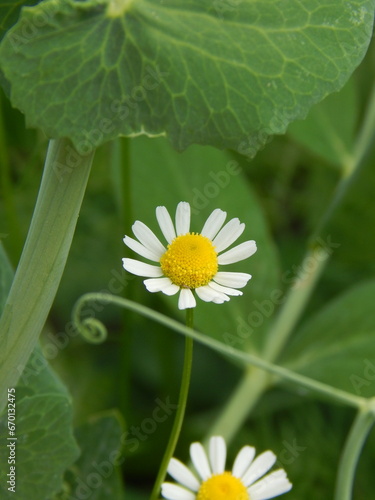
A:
{"x": 281, "y": 195}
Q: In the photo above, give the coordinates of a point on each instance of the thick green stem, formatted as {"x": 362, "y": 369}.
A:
{"x": 180, "y": 412}
{"x": 351, "y": 453}
{"x": 120, "y": 163}
{"x": 296, "y": 300}
{"x": 43, "y": 258}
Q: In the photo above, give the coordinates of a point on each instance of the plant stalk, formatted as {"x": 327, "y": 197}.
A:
{"x": 352, "y": 450}
{"x": 180, "y": 412}
{"x": 43, "y": 258}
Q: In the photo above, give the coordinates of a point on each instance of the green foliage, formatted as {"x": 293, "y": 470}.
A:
{"x": 328, "y": 131}
{"x": 336, "y": 345}
{"x": 96, "y": 474}
{"x": 350, "y": 225}
{"x": 222, "y": 73}
{"x": 207, "y": 74}
{"x": 9, "y": 12}
{"x": 45, "y": 445}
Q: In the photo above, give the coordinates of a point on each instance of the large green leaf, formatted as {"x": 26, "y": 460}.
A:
{"x": 198, "y": 71}
{"x": 45, "y": 445}
{"x": 209, "y": 179}
{"x": 337, "y": 345}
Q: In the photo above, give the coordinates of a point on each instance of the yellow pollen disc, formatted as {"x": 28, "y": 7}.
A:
{"x": 223, "y": 487}
{"x": 190, "y": 261}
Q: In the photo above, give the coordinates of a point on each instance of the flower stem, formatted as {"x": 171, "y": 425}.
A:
{"x": 43, "y": 258}
{"x": 180, "y": 413}
{"x": 354, "y": 443}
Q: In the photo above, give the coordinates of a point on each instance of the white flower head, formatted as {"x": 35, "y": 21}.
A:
{"x": 214, "y": 483}
{"x": 191, "y": 261}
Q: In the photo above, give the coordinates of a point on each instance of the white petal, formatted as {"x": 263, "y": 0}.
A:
{"x": 218, "y": 454}
{"x": 161, "y": 285}
{"x": 213, "y": 224}
{"x": 270, "y": 486}
{"x": 165, "y": 223}
{"x": 243, "y": 460}
{"x": 224, "y": 289}
{"x": 233, "y": 280}
{"x": 209, "y": 295}
{"x": 186, "y": 299}
{"x": 147, "y": 238}
{"x": 182, "y": 474}
{"x": 141, "y": 250}
{"x": 174, "y": 492}
{"x": 259, "y": 467}
{"x": 240, "y": 252}
{"x": 141, "y": 269}
{"x": 230, "y": 232}
{"x": 200, "y": 461}
{"x": 182, "y": 218}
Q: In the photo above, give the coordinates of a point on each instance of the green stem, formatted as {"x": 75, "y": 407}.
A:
{"x": 120, "y": 162}
{"x": 93, "y": 330}
{"x": 364, "y": 141}
{"x": 354, "y": 443}
{"x": 365, "y": 136}
{"x": 43, "y": 258}
{"x": 180, "y": 412}
{"x": 255, "y": 381}
{"x": 296, "y": 300}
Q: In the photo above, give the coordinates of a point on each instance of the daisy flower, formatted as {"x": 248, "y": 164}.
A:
{"x": 214, "y": 483}
{"x": 191, "y": 260}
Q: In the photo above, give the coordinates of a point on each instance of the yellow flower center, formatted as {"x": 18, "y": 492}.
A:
{"x": 190, "y": 261}
{"x": 223, "y": 487}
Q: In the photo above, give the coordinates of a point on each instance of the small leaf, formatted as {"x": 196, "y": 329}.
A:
{"x": 93, "y": 70}
{"x": 336, "y": 346}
